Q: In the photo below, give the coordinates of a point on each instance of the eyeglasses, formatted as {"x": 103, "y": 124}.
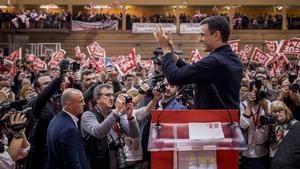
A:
{"x": 108, "y": 95}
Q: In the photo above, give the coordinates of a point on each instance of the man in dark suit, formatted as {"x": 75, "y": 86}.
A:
{"x": 219, "y": 73}
{"x": 65, "y": 146}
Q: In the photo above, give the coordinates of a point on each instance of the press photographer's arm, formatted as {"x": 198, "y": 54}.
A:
{"x": 18, "y": 147}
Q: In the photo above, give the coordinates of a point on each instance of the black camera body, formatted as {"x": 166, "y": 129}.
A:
{"x": 155, "y": 82}
{"x": 117, "y": 145}
{"x": 259, "y": 94}
{"x": 67, "y": 65}
{"x": 157, "y": 52}
{"x": 267, "y": 119}
{"x": 128, "y": 99}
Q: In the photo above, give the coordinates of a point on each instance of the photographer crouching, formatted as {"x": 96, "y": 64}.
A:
{"x": 13, "y": 124}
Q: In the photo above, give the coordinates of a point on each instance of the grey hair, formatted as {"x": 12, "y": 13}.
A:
{"x": 67, "y": 94}
{"x": 98, "y": 88}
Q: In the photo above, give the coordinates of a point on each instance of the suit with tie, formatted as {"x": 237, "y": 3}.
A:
{"x": 65, "y": 145}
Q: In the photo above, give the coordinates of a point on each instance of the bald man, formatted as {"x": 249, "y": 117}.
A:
{"x": 65, "y": 146}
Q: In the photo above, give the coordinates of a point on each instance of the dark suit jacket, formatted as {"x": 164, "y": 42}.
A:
{"x": 65, "y": 145}
{"x": 222, "y": 68}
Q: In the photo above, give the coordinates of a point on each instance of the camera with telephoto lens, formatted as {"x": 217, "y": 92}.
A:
{"x": 267, "y": 119}
{"x": 16, "y": 106}
{"x": 259, "y": 94}
{"x": 117, "y": 145}
{"x": 186, "y": 93}
{"x": 157, "y": 52}
{"x": 154, "y": 83}
{"x": 292, "y": 76}
{"x": 69, "y": 65}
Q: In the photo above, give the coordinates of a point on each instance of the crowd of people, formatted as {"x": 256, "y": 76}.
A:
{"x": 69, "y": 117}
{"x": 28, "y": 19}
{"x": 31, "y": 19}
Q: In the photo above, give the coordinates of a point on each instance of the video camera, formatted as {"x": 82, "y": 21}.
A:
{"x": 267, "y": 119}
{"x": 157, "y": 52}
{"x": 292, "y": 76}
{"x": 69, "y": 65}
{"x": 7, "y": 106}
{"x": 155, "y": 83}
{"x": 186, "y": 93}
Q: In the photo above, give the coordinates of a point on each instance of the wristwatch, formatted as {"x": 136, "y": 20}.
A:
{"x": 18, "y": 135}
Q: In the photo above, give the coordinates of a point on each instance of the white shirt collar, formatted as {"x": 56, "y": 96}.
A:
{"x": 74, "y": 118}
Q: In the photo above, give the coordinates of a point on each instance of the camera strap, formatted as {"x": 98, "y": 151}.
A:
{"x": 255, "y": 117}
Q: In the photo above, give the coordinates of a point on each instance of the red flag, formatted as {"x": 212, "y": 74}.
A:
{"x": 195, "y": 56}
{"x": 235, "y": 45}
{"x": 272, "y": 46}
{"x": 78, "y": 54}
{"x": 96, "y": 65}
{"x": 57, "y": 57}
{"x": 13, "y": 69}
{"x": 244, "y": 53}
{"x": 291, "y": 46}
{"x": 273, "y": 72}
{"x": 95, "y": 50}
{"x": 259, "y": 57}
{"x": 282, "y": 59}
{"x": 147, "y": 64}
{"x": 38, "y": 64}
{"x": 128, "y": 64}
{"x": 13, "y": 57}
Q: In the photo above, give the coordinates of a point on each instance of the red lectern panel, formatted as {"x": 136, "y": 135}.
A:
{"x": 226, "y": 159}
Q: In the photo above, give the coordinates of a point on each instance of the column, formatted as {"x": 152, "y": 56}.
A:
{"x": 124, "y": 17}
{"x": 284, "y": 18}
{"x": 177, "y": 18}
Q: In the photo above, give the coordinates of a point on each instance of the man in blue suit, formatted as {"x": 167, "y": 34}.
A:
{"x": 218, "y": 74}
{"x": 65, "y": 146}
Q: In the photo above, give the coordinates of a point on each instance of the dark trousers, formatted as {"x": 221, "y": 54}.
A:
{"x": 36, "y": 161}
{"x": 100, "y": 163}
{"x": 254, "y": 163}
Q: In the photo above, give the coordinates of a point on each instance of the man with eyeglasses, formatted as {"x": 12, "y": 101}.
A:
{"x": 102, "y": 126}
{"x": 44, "y": 108}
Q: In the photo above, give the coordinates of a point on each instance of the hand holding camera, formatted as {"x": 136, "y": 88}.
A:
{"x": 17, "y": 122}
{"x": 251, "y": 98}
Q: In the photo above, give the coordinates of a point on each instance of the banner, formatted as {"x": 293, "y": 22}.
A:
{"x": 259, "y": 57}
{"x": 78, "y": 54}
{"x": 291, "y": 46}
{"x": 150, "y": 27}
{"x": 127, "y": 64}
{"x": 245, "y": 53}
{"x": 190, "y": 28}
{"x": 147, "y": 64}
{"x": 57, "y": 57}
{"x": 272, "y": 46}
{"x": 79, "y": 25}
{"x": 235, "y": 45}
{"x": 13, "y": 57}
{"x": 96, "y": 50}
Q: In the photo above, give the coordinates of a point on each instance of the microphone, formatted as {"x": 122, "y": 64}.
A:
{"x": 215, "y": 90}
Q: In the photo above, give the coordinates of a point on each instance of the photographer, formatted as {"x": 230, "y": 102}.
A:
{"x": 281, "y": 121}
{"x": 18, "y": 147}
{"x": 44, "y": 107}
{"x": 168, "y": 100}
{"x": 285, "y": 135}
{"x": 102, "y": 129}
{"x": 255, "y": 133}
{"x": 289, "y": 94}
